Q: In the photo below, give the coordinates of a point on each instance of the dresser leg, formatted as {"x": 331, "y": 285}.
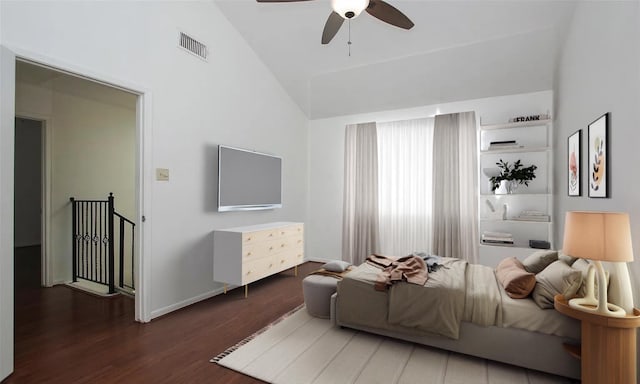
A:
{"x": 246, "y": 291}
{"x": 295, "y": 271}
{"x": 225, "y": 288}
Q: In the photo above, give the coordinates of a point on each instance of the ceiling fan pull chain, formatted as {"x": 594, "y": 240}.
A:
{"x": 349, "y": 42}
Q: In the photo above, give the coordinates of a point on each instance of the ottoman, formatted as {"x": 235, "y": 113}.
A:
{"x": 317, "y": 290}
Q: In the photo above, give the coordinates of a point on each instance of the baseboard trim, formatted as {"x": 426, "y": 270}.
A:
{"x": 185, "y": 303}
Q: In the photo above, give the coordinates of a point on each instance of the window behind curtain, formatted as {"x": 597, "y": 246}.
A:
{"x": 405, "y": 186}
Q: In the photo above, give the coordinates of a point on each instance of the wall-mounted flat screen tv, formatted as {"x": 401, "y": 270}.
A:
{"x": 248, "y": 180}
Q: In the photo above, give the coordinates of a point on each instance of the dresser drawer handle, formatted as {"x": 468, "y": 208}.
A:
{"x": 248, "y": 272}
{"x": 271, "y": 235}
{"x": 299, "y": 241}
{"x": 271, "y": 248}
{"x": 282, "y": 233}
{"x": 282, "y": 245}
{"x": 270, "y": 265}
{"x": 281, "y": 261}
{"x": 249, "y": 238}
{"x": 249, "y": 253}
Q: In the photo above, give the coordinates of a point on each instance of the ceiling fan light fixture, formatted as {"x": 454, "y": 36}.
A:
{"x": 349, "y": 9}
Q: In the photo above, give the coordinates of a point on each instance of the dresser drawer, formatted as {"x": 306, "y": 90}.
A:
{"x": 269, "y": 248}
{"x": 249, "y": 238}
{"x": 290, "y": 230}
{"x": 257, "y": 269}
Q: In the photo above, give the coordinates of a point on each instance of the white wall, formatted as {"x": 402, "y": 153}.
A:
{"x": 230, "y": 99}
{"x": 599, "y": 72}
{"x": 326, "y": 157}
{"x": 28, "y": 188}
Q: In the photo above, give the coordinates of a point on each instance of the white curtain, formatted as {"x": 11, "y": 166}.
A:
{"x": 360, "y": 211}
{"x": 411, "y": 186}
{"x": 405, "y": 185}
{"x": 455, "y": 186}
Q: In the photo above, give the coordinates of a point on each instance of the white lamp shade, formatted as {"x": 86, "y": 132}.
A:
{"x": 604, "y": 236}
{"x": 341, "y": 7}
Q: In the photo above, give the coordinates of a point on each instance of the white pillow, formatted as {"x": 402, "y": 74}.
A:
{"x": 336, "y": 266}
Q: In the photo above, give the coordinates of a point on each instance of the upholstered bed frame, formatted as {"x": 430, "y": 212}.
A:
{"x": 515, "y": 346}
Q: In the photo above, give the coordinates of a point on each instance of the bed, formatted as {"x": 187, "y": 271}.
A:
{"x": 461, "y": 308}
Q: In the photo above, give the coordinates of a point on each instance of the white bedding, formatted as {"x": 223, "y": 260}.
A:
{"x": 360, "y": 304}
{"x": 525, "y": 314}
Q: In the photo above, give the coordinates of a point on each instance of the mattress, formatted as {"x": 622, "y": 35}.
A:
{"x": 359, "y": 303}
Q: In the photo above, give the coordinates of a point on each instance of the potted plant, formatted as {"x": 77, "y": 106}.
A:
{"x": 511, "y": 175}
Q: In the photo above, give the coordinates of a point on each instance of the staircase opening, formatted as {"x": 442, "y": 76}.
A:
{"x": 103, "y": 247}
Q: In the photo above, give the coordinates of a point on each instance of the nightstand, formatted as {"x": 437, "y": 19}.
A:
{"x": 608, "y": 350}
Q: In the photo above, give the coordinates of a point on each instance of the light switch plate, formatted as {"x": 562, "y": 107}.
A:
{"x": 162, "y": 174}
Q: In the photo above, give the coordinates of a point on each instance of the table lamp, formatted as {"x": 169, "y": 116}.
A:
{"x": 601, "y": 236}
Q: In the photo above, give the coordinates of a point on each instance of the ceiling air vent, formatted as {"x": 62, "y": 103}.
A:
{"x": 192, "y": 45}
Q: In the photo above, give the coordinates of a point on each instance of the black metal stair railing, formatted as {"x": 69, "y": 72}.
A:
{"x": 93, "y": 244}
{"x": 126, "y": 280}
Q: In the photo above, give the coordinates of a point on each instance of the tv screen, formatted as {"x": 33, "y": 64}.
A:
{"x": 248, "y": 180}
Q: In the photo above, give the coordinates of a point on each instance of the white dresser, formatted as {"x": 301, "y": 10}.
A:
{"x": 243, "y": 255}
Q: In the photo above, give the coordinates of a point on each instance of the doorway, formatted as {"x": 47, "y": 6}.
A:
{"x": 143, "y": 180}
{"x": 91, "y": 157}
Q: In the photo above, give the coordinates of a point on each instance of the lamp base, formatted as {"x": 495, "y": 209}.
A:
{"x": 586, "y": 305}
{"x": 599, "y": 305}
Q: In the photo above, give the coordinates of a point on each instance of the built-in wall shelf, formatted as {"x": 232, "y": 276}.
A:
{"x": 531, "y": 142}
{"x": 516, "y": 195}
{"x": 518, "y": 150}
{"x": 520, "y": 124}
{"x": 511, "y": 221}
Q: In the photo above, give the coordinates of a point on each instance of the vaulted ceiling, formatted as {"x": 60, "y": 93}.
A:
{"x": 458, "y": 50}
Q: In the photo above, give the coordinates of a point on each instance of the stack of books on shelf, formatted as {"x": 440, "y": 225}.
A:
{"x": 497, "y": 238}
{"x": 532, "y": 216}
{"x": 504, "y": 144}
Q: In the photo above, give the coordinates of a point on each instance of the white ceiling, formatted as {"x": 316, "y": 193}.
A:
{"x": 458, "y": 50}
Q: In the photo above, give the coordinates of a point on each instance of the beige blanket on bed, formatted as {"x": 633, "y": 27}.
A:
{"x": 456, "y": 292}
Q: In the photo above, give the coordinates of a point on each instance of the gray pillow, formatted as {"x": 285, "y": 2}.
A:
{"x": 566, "y": 258}
{"x": 537, "y": 261}
{"x": 557, "y": 278}
{"x": 336, "y": 266}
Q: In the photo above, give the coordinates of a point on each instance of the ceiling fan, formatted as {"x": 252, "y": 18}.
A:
{"x": 348, "y": 9}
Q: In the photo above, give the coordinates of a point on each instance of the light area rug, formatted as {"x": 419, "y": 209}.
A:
{"x": 301, "y": 349}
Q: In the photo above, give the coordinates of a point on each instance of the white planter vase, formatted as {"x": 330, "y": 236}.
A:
{"x": 506, "y": 187}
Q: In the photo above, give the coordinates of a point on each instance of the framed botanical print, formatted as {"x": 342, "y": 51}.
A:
{"x": 599, "y": 157}
{"x": 574, "y": 164}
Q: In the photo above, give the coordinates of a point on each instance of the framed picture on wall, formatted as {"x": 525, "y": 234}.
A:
{"x": 599, "y": 157}
{"x": 574, "y": 164}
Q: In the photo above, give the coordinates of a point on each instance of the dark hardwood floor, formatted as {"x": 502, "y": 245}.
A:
{"x": 66, "y": 336}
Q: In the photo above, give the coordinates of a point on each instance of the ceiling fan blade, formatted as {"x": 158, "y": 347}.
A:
{"x": 331, "y": 27}
{"x": 384, "y": 11}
